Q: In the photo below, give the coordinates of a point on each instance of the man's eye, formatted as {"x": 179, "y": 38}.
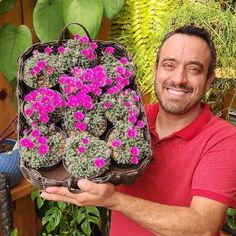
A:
{"x": 194, "y": 69}
{"x": 168, "y": 66}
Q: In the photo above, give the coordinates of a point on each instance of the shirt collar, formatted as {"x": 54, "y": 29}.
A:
{"x": 190, "y": 130}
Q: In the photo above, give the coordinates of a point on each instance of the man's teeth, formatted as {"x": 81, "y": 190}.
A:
{"x": 176, "y": 92}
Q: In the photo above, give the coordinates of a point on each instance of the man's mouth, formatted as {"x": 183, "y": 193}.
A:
{"x": 178, "y": 92}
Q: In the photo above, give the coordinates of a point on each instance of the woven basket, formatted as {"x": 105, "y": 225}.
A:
{"x": 117, "y": 174}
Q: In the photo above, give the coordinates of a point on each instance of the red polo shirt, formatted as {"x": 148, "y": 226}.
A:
{"x": 199, "y": 160}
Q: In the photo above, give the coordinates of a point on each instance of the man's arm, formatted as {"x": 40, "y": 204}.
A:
{"x": 204, "y": 217}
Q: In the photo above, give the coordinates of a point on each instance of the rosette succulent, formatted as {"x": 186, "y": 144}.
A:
{"x": 42, "y": 146}
{"x": 42, "y": 69}
{"x": 86, "y": 156}
{"x": 43, "y": 105}
{"x": 128, "y": 143}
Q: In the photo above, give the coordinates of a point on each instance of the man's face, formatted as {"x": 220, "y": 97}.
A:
{"x": 181, "y": 76}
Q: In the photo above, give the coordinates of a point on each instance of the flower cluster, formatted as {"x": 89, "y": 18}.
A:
{"x": 122, "y": 107}
{"x": 42, "y": 146}
{"x": 86, "y": 156}
{"x": 128, "y": 143}
{"x": 77, "y": 52}
{"x": 43, "y": 105}
{"x": 42, "y": 69}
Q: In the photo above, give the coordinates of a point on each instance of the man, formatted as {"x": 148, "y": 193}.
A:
{"x": 192, "y": 179}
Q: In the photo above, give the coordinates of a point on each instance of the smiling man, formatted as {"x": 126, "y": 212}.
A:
{"x": 191, "y": 180}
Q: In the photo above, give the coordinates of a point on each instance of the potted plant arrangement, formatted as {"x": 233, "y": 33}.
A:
{"x": 86, "y": 156}
{"x": 43, "y": 146}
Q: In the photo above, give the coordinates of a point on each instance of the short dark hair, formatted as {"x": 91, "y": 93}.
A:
{"x": 194, "y": 31}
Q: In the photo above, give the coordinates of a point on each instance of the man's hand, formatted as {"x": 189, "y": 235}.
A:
{"x": 94, "y": 194}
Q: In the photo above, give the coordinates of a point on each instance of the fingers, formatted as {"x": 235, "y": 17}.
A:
{"x": 58, "y": 197}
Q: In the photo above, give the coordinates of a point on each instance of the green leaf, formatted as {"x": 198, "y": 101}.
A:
{"x": 47, "y": 19}
{"x": 61, "y": 205}
{"x": 231, "y": 212}
{"x": 13, "y": 42}
{"x": 112, "y": 8}
{"x": 6, "y": 5}
{"x": 232, "y": 223}
{"x": 93, "y": 210}
{"x": 89, "y": 13}
{"x": 86, "y": 227}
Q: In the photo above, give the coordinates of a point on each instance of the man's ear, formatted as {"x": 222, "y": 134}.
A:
{"x": 210, "y": 80}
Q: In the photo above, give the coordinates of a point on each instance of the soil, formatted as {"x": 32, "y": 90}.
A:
{"x": 5, "y": 147}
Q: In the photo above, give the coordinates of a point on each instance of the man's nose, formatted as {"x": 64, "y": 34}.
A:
{"x": 180, "y": 76}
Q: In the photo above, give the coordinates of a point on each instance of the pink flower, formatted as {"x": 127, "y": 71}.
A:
{"x": 134, "y": 151}
{"x": 44, "y": 118}
{"x": 47, "y": 50}
{"x": 61, "y": 49}
{"x": 81, "y": 126}
{"x": 32, "y": 73}
{"x": 140, "y": 124}
{"x": 128, "y": 73}
{"x": 134, "y": 160}
{"x": 37, "y": 69}
{"x": 107, "y": 105}
{"x": 116, "y": 143}
{"x": 127, "y": 104}
{"x": 49, "y": 70}
{"x": 43, "y": 149}
{"x": 121, "y": 70}
{"x": 73, "y": 101}
{"x": 132, "y": 119}
{"x": 93, "y": 45}
{"x": 77, "y": 36}
{"x": 132, "y": 133}
{"x": 29, "y": 112}
{"x": 135, "y": 98}
{"x": 41, "y": 64}
{"x": 35, "y": 133}
{"x": 85, "y": 141}
{"x": 109, "y": 50}
{"x": 26, "y": 142}
{"x": 84, "y": 39}
{"x": 81, "y": 149}
{"x": 123, "y": 60}
{"x": 100, "y": 162}
{"x": 78, "y": 115}
{"x": 42, "y": 140}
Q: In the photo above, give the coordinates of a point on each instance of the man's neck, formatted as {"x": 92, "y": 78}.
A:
{"x": 167, "y": 124}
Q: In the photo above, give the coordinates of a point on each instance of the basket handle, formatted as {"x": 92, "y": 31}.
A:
{"x": 65, "y": 29}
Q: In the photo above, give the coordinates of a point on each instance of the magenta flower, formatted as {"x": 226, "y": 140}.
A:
{"x": 93, "y": 45}
{"x": 29, "y": 112}
{"x": 78, "y": 115}
{"x": 100, "y": 162}
{"x": 42, "y": 140}
{"x": 81, "y": 126}
{"x": 32, "y": 73}
{"x": 47, "y": 50}
{"x": 107, "y": 105}
{"x": 121, "y": 70}
{"x": 116, "y": 143}
{"x": 37, "y": 69}
{"x": 61, "y": 49}
{"x": 128, "y": 73}
{"x": 134, "y": 160}
{"x": 85, "y": 141}
{"x": 81, "y": 150}
{"x": 43, "y": 149}
{"x": 84, "y": 39}
{"x": 134, "y": 151}
{"x": 36, "y": 133}
{"x": 73, "y": 101}
{"x": 77, "y": 36}
{"x": 41, "y": 64}
{"x": 123, "y": 60}
{"x": 140, "y": 124}
{"x": 109, "y": 50}
{"x": 44, "y": 118}
{"x": 127, "y": 104}
{"x": 132, "y": 133}
{"x": 26, "y": 142}
{"x": 132, "y": 119}
{"x": 135, "y": 98}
